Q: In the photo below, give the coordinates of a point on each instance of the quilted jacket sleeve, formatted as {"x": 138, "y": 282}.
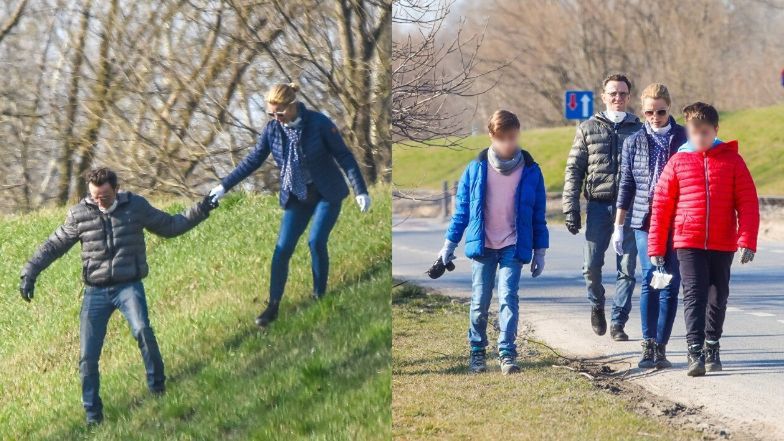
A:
{"x": 747, "y": 206}
{"x": 665, "y": 199}
{"x": 58, "y": 243}
{"x": 541, "y": 234}
{"x": 576, "y": 168}
{"x": 626, "y": 188}
{"x": 462, "y": 208}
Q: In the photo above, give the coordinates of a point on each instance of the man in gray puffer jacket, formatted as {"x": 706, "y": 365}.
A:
{"x": 594, "y": 167}
{"x": 110, "y": 225}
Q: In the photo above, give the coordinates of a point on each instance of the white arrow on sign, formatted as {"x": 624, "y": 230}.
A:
{"x": 585, "y": 100}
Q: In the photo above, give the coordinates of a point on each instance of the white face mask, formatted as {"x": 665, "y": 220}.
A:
{"x": 615, "y": 115}
{"x": 660, "y": 130}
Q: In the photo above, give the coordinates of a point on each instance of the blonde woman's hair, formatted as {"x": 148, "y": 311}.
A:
{"x": 282, "y": 93}
{"x": 656, "y": 91}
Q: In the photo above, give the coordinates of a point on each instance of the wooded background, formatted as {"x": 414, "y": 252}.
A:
{"x": 170, "y": 93}
{"x": 456, "y": 61}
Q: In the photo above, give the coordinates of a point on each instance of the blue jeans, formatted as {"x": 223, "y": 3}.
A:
{"x": 98, "y": 305}
{"x": 296, "y": 217}
{"x": 657, "y": 306}
{"x": 600, "y": 218}
{"x": 483, "y": 280}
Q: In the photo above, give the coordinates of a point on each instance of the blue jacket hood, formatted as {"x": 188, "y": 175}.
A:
{"x": 688, "y": 147}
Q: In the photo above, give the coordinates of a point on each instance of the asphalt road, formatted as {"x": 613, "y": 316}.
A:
{"x": 748, "y": 394}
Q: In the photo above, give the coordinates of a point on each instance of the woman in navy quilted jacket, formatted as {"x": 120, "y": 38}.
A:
{"x": 308, "y": 149}
{"x": 500, "y": 206}
{"x": 644, "y": 155}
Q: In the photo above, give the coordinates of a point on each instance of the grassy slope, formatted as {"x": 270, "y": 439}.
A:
{"x": 760, "y": 133}
{"x": 435, "y": 397}
{"x": 321, "y": 372}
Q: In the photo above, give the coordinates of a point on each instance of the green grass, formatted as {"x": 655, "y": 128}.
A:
{"x": 760, "y": 134}
{"x": 435, "y": 397}
{"x": 322, "y": 371}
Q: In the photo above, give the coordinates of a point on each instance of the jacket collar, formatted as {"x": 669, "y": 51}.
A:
{"x": 527, "y": 158}
{"x": 718, "y": 146}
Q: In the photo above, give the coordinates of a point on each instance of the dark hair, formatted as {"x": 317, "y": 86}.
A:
{"x": 701, "y": 112}
{"x": 100, "y": 176}
{"x": 617, "y": 77}
{"x": 501, "y": 121}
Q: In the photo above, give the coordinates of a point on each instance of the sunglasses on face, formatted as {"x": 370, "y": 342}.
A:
{"x": 280, "y": 113}
{"x": 660, "y": 112}
{"x": 618, "y": 94}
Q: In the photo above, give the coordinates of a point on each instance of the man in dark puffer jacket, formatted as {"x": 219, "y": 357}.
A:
{"x": 594, "y": 162}
{"x": 110, "y": 225}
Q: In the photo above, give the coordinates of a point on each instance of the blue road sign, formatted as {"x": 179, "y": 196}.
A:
{"x": 578, "y": 104}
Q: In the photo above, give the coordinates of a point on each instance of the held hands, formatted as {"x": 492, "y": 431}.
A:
{"x": 746, "y": 255}
{"x": 617, "y": 240}
{"x": 208, "y": 204}
{"x": 363, "y": 201}
{"x": 657, "y": 260}
{"x": 217, "y": 193}
{"x": 537, "y": 263}
{"x": 573, "y": 222}
{"x": 27, "y": 287}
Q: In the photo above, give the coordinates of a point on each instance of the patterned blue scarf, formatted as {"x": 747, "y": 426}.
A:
{"x": 293, "y": 176}
{"x": 659, "y": 154}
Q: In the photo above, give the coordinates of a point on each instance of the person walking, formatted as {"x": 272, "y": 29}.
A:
{"x": 308, "y": 149}
{"x": 593, "y": 166}
{"x": 644, "y": 155}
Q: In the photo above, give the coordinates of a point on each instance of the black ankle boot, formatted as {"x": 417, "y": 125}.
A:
{"x": 269, "y": 315}
{"x": 712, "y": 360}
{"x": 617, "y": 334}
{"x": 696, "y": 361}
{"x": 646, "y": 360}
{"x": 598, "y": 322}
{"x": 660, "y": 357}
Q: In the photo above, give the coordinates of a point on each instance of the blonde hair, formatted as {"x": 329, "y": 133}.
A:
{"x": 282, "y": 93}
{"x": 656, "y": 91}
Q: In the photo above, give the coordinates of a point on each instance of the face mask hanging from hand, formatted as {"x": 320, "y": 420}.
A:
{"x": 661, "y": 279}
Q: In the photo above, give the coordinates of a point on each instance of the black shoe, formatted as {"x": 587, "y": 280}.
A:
{"x": 269, "y": 315}
{"x": 158, "y": 392}
{"x": 646, "y": 360}
{"x": 598, "y": 322}
{"x": 93, "y": 422}
{"x": 617, "y": 334}
{"x": 660, "y": 357}
{"x": 712, "y": 360}
{"x": 696, "y": 361}
{"x": 478, "y": 361}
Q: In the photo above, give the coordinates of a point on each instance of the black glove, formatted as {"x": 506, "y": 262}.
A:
{"x": 573, "y": 222}
{"x": 207, "y": 204}
{"x": 27, "y": 287}
{"x": 438, "y": 268}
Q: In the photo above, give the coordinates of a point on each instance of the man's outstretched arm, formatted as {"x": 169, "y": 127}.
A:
{"x": 58, "y": 243}
{"x": 167, "y": 225}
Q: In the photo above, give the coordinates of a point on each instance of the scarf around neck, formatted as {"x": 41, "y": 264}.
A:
{"x": 504, "y": 166}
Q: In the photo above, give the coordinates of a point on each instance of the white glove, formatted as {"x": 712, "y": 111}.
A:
{"x": 617, "y": 240}
{"x": 537, "y": 263}
{"x": 363, "y": 201}
{"x": 447, "y": 253}
{"x": 657, "y": 260}
{"x": 746, "y": 255}
{"x": 217, "y": 193}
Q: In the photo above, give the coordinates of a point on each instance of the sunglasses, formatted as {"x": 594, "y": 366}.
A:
{"x": 660, "y": 112}
{"x": 279, "y": 114}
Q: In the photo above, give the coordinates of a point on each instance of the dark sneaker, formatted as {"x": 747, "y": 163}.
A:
{"x": 617, "y": 334}
{"x": 94, "y": 421}
{"x": 508, "y": 364}
{"x": 660, "y": 357}
{"x": 269, "y": 315}
{"x": 712, "y": 360}
{"x": 478, "y": 361}
{"x": 598, "y": 322}
{"x": 696, "y": 361}
{"x": 646, "y": 359}
{"x": 158, "y": 392}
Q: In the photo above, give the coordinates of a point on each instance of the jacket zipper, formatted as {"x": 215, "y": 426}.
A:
{"x": 707, "y": 198}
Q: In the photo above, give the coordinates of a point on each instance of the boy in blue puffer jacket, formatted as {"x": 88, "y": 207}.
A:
{"x": 500, "y": 204}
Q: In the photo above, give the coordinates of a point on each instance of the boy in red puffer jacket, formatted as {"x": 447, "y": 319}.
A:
{"x": 706, "y": 199}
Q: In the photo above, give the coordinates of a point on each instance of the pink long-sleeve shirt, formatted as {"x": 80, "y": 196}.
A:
{"x": 500, "y": 216}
